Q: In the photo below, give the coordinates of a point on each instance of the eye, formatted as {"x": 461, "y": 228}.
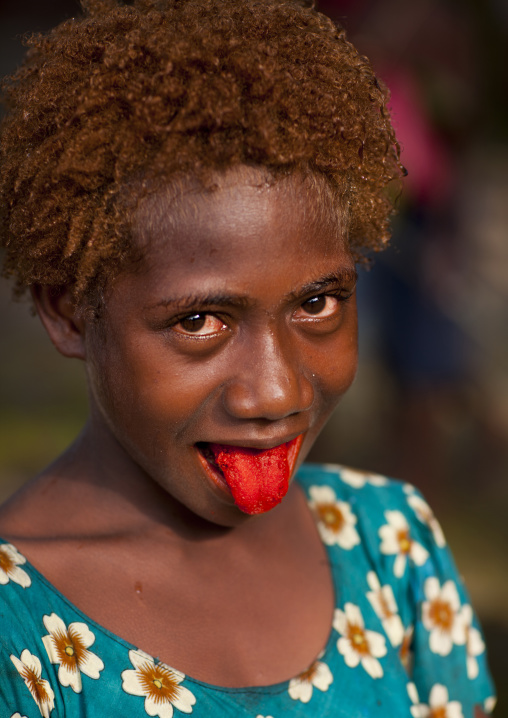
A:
{"x": 199, "y": 324}
{"x": 320, "y": 307}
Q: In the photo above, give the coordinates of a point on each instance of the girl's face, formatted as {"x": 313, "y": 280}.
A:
{"x": 240, "y": 328}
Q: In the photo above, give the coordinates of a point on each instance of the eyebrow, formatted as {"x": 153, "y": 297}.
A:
{"x": 342, "y": 277}
{"x": 192, "y": 301}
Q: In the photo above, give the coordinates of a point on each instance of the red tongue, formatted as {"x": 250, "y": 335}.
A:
{"x": 258, "y": 479}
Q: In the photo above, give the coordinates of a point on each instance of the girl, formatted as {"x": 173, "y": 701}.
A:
{"x": 186, "y": 187}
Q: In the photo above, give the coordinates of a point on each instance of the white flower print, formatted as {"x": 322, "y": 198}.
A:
{"x": 439, "y": 705}
{"x": 396, "y": 539}
{"x": 68, "y": 647}
{"x": 357, "y": 644}
{"x": 440, "y": 616}
{"x": 489, "y": 704}
{"x": 158, "y": 684}
{"x": 30, "y": 669}
{"x": 474, "y": 641}
{"x": 335, "y": 520}
{"x": 17, "y": 715}
{"x": 426, "y": 516}
{"x": 318, "y": 675}
{"x": 10, "y": 562}
{"x": 417, "y": 710}
{"x": 332, "y": 468}
{"x": 383, "y": 602}
{"x": 356, "y": 479}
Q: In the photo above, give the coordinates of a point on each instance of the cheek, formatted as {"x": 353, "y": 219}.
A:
{"x": 142, "y": 392}
{"x": 117, "y": 380}
{"x": 336, "y": 364}
{"x": 337, "y": 373}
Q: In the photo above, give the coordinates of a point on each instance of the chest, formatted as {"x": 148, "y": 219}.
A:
{"x": 227, "y": 618}
{"x": 245, "y": 653}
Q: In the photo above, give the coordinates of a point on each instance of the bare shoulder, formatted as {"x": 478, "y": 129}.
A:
{"x": 24, "y": 513}
{"x": 55, "y": 515}
{"x": 43, "y": 508}
{"x": 37, "y": 520}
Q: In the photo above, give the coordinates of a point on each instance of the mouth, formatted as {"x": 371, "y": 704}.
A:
{"x": 257, "y": 479}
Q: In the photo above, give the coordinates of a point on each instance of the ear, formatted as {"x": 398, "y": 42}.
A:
{"x": 62, "y": 319}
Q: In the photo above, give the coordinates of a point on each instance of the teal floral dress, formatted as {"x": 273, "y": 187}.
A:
{"x": 404, "y": 639}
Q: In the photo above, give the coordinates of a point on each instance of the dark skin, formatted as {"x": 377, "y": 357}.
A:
{"x": 270, "y": 350}
{"x": 239, "y": 328}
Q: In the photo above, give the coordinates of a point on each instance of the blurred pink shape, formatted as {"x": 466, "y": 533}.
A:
{"x": 424, "y": 153}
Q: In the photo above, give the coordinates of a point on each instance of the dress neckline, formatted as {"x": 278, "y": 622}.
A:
{"x": 269, "y": 688}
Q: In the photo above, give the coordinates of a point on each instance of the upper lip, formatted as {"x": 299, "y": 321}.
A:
{"x": 255, "y": 444}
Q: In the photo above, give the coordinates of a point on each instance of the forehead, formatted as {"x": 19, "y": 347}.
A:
{"x": 245, "y": 207}
{"x": 252, "y": 241}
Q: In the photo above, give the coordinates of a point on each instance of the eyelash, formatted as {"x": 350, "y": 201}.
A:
{"x": 195, "y": 335}
{"x": 340, "y": 296}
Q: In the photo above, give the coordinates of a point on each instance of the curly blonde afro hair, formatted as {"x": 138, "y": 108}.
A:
{"x": 131, "y": 95}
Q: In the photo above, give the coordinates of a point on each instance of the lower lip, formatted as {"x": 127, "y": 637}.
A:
{"x": 217, "y": 478}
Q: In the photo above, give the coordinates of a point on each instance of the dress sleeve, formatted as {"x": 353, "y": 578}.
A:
{"x": 24, "y": 690}
{"x": 445, "y": 650}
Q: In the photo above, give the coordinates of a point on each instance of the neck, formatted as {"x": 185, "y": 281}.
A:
{"x": 114, "y": 496}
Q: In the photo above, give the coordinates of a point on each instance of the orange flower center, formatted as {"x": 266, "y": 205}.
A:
{"x": 6, "y": 562}
{"x": 385, "y": 609}
{"x": 356, "y": 635}
{"x": 404, "y": 540}
{"x": 159, "y": 682}
{"x": 308, "y": 675}
{"x": 439, "y": 712}
{"x": 70, "y": 649}
{"x": 36, "y": 685}
{"x": 331, "y": 516}
{"x": 441, "y": 614}
{"x": 406, "y": 648}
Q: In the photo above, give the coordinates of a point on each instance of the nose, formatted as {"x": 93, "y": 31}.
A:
{"x": 268, "y": 382}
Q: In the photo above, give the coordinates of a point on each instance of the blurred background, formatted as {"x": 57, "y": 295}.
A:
{"x": 430, "y": 402}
